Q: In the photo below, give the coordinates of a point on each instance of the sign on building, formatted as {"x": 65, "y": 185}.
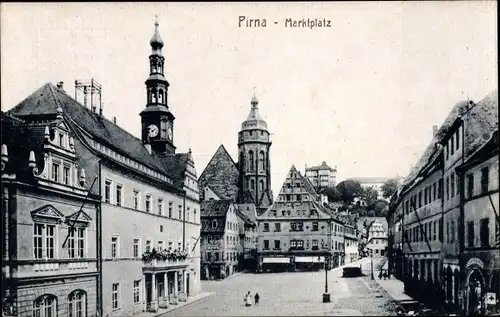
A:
{"x": 491, "y": 298}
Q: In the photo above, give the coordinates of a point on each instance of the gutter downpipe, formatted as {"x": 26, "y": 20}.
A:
{"x": 99, "y": 249}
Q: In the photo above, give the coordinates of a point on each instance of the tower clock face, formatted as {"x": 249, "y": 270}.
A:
{"x": 152, "y": 131}
{"x": 169, "y": 131}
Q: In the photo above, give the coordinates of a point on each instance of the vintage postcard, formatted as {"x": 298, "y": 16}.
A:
{"x": 250, "y": 159}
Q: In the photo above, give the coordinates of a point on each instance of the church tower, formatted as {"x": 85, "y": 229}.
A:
{"x": 254, "y": 165}
{"x": 157, "y": 120}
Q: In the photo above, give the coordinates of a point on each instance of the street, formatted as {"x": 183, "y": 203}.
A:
{"x": 292, "y": 294}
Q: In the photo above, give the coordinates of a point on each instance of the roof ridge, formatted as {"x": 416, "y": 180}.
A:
{"x": 212, "y": 158}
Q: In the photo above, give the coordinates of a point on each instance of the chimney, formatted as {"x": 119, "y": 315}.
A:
{"x": 60, "y": 85}
{"x": 114, "y": 120}
{"x": 434, "y": 130}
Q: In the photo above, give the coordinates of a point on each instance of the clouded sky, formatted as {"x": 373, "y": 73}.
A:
{"x": 362, "y": 94}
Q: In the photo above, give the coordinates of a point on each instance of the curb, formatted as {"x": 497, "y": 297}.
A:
{"x": 206, "y": 295}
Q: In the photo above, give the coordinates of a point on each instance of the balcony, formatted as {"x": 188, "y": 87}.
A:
{"x": 164, "y": 260}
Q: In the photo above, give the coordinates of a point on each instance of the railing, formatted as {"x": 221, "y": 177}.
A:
{"x": 164, "y": 263}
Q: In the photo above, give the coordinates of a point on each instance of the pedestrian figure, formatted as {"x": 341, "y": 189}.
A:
{"x": 380, "y": 275}
{"x": 256, "y": 297}
{"x": 248, "y": 299}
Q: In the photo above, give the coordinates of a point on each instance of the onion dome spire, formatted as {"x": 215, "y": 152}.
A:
{"x": 156, "y": 41}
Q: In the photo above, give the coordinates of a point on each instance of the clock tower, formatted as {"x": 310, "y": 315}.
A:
{"x": 157, "y": 120}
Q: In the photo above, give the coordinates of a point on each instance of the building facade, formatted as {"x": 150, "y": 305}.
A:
{"x": 433, "y": 212}
{"x": 377, "y": 239}
{"x": 149, "y": 204}
{"x": 480, "y": 176}
{"x": 351, "y": 243}
{"x": 322, "y": 176}
{"x": 50, "y": 222}
{"x": 248, "y": 237}
{"x": 295, "y": 232}
{"x": 220, "y": 239}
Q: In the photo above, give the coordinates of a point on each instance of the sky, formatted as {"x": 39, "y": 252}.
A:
{"x": 362, "y": 94}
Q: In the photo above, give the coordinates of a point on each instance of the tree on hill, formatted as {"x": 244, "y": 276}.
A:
{"x": 389, "y": 188}
{"x": 370, "y": 196}
{"x": 349, "y": 189}
{"x": 332, "y": 193}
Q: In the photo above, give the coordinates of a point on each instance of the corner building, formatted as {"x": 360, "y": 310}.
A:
{"x": 149, "y": 220}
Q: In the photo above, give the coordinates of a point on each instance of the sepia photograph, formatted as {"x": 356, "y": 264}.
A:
{"x": 250, "y": 159}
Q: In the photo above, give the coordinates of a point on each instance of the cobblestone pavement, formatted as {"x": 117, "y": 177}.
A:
{"x": 291, "y": 294}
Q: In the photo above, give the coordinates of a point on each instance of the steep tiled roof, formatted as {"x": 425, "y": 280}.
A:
{"x": 249, "y": 211}
{"x": 214, "y": 210}
{"x": 480, "y": 122}
{"x": 44, "y": 103}
{"x": 221, "y": 175}
{"x": 20, "y": 138}
{"x": 308, "y": 186}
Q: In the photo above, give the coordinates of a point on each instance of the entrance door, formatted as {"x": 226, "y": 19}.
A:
{"x": 187, "y": 284}
{"x": 148, "y": 291}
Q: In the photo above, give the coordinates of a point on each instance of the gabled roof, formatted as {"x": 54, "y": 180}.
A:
{"x": 249, "y": 211}
{"x": 221, "y": 175}
{"x": 487, "y": 150}
{"x": 214, "y": 210}
{"x": 45, "y": 101}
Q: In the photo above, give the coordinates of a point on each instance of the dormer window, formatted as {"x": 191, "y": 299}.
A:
{"x": 66, "y": 175}
{"x": 214, "y": 224}
{"x": 61, "y": 140}
{"x": 55, "y": 172}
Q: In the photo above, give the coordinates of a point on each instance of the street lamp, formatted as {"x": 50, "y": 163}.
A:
{"x": 371, "y": 257}
{"x": 326, "y": 295}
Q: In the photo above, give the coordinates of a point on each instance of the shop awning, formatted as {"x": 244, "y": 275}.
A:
{"x": 276, "y": 260}
{"x": 310, "y": 259}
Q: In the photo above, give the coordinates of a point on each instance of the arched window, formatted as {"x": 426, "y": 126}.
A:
{"x": 160, "y": 96}
{"x": 214, "y": 224}
{"x": 261, "y": 161}
{"x": 77, "y": 304}
{"x": 242, "y": 160}
{"x": 153, "y": 95}
{"x": 45, "y": 306}
{"x": 261, "y": 185}
{"x": 250, "y": 161}
{"x": 252, "y": 185}
{"x": 163, "y": 129}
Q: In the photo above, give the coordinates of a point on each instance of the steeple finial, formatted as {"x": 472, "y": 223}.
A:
{"x": 254, "y": 101}
{"x": 156, "y": 41}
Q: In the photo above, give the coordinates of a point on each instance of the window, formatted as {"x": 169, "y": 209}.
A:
{"x": 452, "y": 231}
{"x": 77, "y": 305}
{"x": 194, "y": 216}
{"x": 470, "y": 234}
{"x": 115, "y": 295}
{"x": 160, "y": 245}
{"x": 136, "y": 199}
{"x": 277, "y": 227}
{"x": 45, "y": 306}
{"x": 277, "y": 244}
{"x": 470, "y": 185}
{"x": 114, "y": 247}
{"x": 315, "y": 244}
{"x": 452, "y": 147}
{"x": 484, "y": 232}
{"x": 440, "y": 228}
{"x": 434, "y": 231}
{"x": 137, "y": 243}
{"x": 160, "y": 206}
{"x": 148, "y": 203}
{"x": 137, "y": 292}
{"x": 484, "y": 180}
{"x": 447, "y": 188}
{"x": 452, "y": 185}
{"x": 148, "y": 245}
{"x": 180, "y": 212}
{"x": 66, "y": 173}
{"x": 315, "y": 226}
{"x": 266, "y": 227}
{"x": 274, "y": 213}
{"x": 44, "y": 238}
{"x": 434, "y": 190}
{"x": 76, "y": 243}
{"x": 447, "y": 151}
{"x": 419, "y": 199}
{"x": 266, "y": 244}
{"x": 61, "y": 140}
{"x": 214, "y": 224}
{"x": 440, "y": 188}
{"x": 119, "y": 195}
{"x": 457, "y": 135}
{"x": 55, "y": 172}
{"x": 426, "y": 193}
{"x": 107, "y": 191}
{"x": 170, "y": 209}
